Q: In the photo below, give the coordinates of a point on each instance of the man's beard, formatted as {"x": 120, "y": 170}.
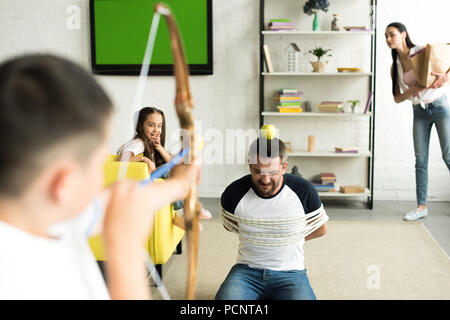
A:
{"x": 269, "y": 191}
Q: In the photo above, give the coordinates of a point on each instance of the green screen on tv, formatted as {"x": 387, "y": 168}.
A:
{"x": 120, "y": 29}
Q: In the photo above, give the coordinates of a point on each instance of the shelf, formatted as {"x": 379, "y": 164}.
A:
{"x": 315, "y": 33}
{"x": 338, "y": 194}
{"x": 315, "y": 114}
{"x": 362, "y": 45}
{"x": 317, "y": 74}
{"x": 329, "y": 154}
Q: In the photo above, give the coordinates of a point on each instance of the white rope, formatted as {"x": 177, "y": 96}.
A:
{"x": 274, "y": 232}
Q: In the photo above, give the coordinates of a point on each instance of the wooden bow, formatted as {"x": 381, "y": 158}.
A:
{"x": 184, "y": 108}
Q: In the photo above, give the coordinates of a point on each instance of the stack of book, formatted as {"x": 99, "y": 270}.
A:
{"x": 327, "y": 177}
{"x": 325, "y": 187}
{"x": 281, "y": 25}
{"x": 331, "y": 106}
{"x": 352, "y": 69}
{"x": 346, "y": 149}
{"x": 356, "y": 28}
{"x": 327, "y": 181}
{"x": 288, "y": 100}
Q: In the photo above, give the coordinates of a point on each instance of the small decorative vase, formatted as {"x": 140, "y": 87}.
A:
{"x": 293, "y": 58}
{"x": 334, "y": 23}
{"x": 318, "y": 66}
{"x": 316, "y": 26}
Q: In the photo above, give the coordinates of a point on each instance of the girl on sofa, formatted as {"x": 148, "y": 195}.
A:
{"x": 148, "y": 146}
{"x": 148, "y": 143}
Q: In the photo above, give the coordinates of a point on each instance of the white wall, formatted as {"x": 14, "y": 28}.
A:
{"x": 394, "y": 158}
{"x": 229, "y": 98}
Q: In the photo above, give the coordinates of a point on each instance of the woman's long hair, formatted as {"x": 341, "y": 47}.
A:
{"x": 150, "y": 151}
{"x": 400, "y": 27}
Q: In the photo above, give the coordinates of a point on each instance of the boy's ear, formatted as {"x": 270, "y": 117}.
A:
{"x": 62, "y": 182}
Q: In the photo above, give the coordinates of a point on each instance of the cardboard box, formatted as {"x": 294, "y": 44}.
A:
{"x": 352, "y": 189}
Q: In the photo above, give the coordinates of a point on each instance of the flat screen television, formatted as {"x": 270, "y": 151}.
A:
{"x": 120, "y": 29}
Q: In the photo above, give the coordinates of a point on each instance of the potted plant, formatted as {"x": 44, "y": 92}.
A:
{"x": 312, "y": 6}
{"x": 319, "y": 66}
{"x": 353, "y": 104}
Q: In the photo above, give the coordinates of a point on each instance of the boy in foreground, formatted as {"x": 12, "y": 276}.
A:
{"x": 54, "y": 131}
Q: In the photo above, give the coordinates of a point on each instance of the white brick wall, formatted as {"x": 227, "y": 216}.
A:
{"x": 229, "y": 98}
{"x": 394, "y": 151}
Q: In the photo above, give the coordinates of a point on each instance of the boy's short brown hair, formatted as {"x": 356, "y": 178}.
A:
{"x": 46, "y": 101}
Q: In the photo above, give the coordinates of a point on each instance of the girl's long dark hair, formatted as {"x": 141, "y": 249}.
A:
{"x": 150, "y": 151}
{"x": 400, "y": 27}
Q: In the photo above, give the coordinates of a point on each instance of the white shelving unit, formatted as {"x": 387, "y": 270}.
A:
{"x": 365, "y": 194}
{"x": 316, "y": 74}
{"x": 349, "y": 165}
{"x": 315, "y": 114}
{"x": 329, "y": 154}
{"x": 316, "y": 33}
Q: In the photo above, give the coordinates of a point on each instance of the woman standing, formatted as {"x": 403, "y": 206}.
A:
{"x": 430, "y": 107}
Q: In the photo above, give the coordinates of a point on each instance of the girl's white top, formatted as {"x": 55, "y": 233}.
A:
{"x": 136, "y": 146}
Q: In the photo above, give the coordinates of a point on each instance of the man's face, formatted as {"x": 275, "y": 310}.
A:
{"x": 267, "y": 175}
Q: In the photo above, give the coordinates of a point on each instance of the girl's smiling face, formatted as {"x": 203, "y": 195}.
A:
{"x": 153, "y": 126}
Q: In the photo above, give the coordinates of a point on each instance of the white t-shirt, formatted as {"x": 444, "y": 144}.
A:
{"x": 296, "y": 197}
{"x": 136, "y": 146}
{"x": 34, "y": 267}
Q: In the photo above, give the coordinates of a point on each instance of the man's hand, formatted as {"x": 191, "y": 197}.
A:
{"x": 317, "y": 233}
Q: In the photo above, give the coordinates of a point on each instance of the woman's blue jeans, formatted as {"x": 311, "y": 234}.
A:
{"x": 437, "y": 113}
{"x": 246, "y": 283}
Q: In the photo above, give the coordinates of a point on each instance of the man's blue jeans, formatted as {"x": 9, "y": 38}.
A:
{"x": 437, "y": 113}
{"x": 246, "y": 283}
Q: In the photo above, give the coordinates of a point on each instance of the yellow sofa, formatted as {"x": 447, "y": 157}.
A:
{"x": 165, "y": 236}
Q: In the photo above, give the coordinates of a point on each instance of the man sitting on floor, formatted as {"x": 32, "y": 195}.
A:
{"x": 271, "y": 211}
